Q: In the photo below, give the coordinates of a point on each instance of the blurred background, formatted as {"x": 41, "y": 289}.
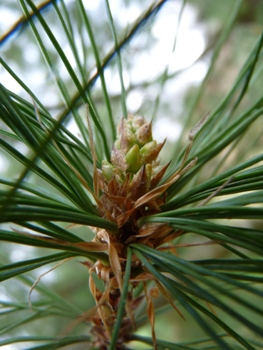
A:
{"x": 164, "y": 65}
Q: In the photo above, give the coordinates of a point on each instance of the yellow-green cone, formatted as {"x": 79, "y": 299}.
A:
{"x": 135, "y": 153}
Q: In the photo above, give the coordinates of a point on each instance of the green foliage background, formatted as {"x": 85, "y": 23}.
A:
{"x": 40, "y": 191}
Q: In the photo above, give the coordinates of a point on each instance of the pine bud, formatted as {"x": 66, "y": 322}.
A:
{"x": 109, "y": 170}
{"x": 144, "y": 134}
{"x": 133, "y": 158}
{"x": 136, "y": 122}
{"x": 127, "y": 138}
